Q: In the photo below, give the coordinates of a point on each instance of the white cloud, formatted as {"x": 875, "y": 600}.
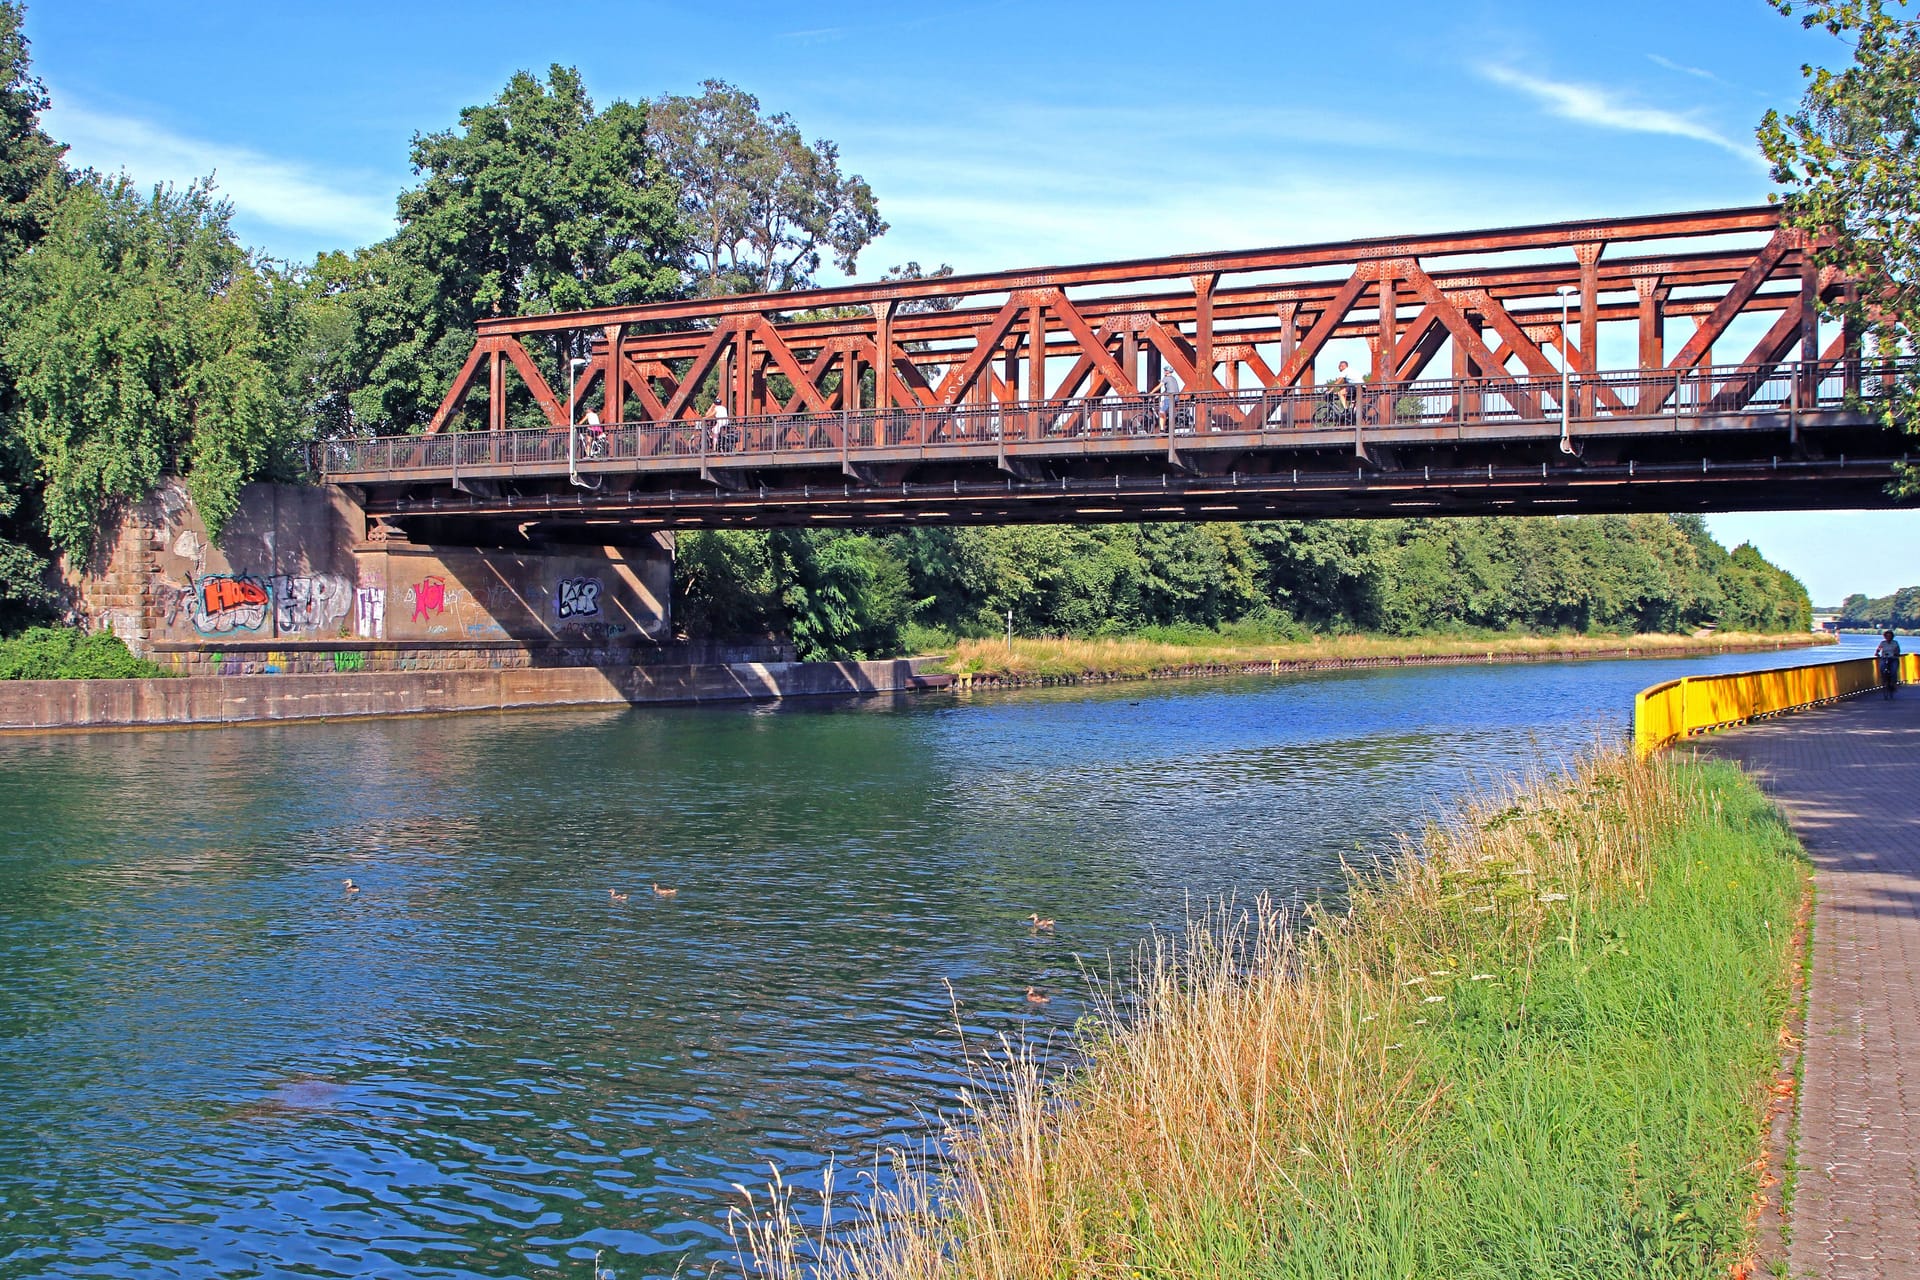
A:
{"x": 278, "y": 193}
{"x": 1698, "y": 73}
{"x": 1590, "y": 105}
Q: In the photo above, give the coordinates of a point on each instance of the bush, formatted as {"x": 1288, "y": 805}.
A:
{"x": 65, "y": 653}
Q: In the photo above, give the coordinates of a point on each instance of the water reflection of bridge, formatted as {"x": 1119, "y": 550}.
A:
{"x": 1178, "y": 388}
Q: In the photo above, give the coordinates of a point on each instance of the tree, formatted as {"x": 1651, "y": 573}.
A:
{"x": 31, "y": 180}
{"x": 762, "y": 204}
{"x": 31, "y": 176}
{"x": 1850, "y": 161}
{"x": 536, "y": 202}
{"x": 141, "y": 341}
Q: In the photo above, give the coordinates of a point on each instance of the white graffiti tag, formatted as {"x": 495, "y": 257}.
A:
{"x": 310, "y": 602}
{"x": 370, "y": 613}
{"x": 577, "y": 598}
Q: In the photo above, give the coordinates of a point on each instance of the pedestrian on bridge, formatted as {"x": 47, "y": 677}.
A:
{"x": 1887, "y": 656}
{"x": 1168, "y": 387}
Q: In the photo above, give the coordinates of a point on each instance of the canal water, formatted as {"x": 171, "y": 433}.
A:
{"x": 215, "y": 1061}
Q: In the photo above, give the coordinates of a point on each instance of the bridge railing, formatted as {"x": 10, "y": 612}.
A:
{"x": 1666, "y": 713}
{"x": 1114, "y": 423}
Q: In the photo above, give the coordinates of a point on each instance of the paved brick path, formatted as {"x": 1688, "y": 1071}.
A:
{"x": 1848, "y": 777}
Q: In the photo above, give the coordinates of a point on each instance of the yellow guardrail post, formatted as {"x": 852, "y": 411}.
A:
{"x": 1665, "y": 713}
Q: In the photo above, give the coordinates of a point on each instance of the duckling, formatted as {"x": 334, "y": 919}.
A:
{"x": 617, "y": 896}
{"x": 658, "y": 892}
{"x": 349, "y": 885}
{"x": 1035, "y": 997}
{"x": 1039, "y": 923}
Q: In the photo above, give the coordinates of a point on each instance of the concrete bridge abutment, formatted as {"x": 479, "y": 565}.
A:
{"x": 301, "y": 581}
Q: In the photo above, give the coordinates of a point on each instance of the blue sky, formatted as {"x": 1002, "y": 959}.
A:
{"x": 1001, "y": 134}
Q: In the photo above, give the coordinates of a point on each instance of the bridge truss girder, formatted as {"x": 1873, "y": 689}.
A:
{"x": 1256, "y": 319}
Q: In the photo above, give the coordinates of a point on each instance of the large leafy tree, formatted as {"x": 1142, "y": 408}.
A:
{"x": 31, "y": 176}
{"x": 31, "y": 180}
{"x": 536, "y": 202}
{"x": 141, "y": 340}
{"x": 762, "y": 204}
{"x": 1849, "y": 161}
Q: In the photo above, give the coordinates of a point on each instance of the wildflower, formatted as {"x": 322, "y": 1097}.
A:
{"x": 1433, "y": 1000}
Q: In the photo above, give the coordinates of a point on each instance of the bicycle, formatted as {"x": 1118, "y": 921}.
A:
{"x": 1336, "y": 409}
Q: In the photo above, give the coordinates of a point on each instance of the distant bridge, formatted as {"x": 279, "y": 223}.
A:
{"x": 1175, "y": 388}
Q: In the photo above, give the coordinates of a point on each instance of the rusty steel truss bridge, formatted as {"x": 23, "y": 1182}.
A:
{"x": 1188, "y": 387}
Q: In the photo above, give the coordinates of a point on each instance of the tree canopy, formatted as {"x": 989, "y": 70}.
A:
{"x": 1899, "y": 611}
{"x": 140, "y": 340}
{"x": 761, "y": 204}
{"x": 31, "y": 179}
{"x": 1849, "y": 161}
{"x": 535, "y": 202}
{"x": 841, "y": 594}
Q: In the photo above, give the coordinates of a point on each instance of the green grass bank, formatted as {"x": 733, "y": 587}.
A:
{"x": 1537, "y": 1043}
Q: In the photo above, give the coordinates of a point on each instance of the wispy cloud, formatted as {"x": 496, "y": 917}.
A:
{"x": 1603, "y": 109}
{"x": 279, "y": 193}
{"x": 1698, "y": 73}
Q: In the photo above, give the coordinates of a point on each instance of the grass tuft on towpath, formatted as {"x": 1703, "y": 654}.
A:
{"x": 1537, "y": 1043}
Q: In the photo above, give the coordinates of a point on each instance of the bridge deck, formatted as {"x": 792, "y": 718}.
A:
{"x": 1848, "y": 777}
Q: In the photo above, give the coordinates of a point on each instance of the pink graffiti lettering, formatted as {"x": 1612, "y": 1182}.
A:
{"x": 429, "y": 597}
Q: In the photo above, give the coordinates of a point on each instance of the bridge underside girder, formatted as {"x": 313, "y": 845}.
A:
{"x": 1764, "y": 461}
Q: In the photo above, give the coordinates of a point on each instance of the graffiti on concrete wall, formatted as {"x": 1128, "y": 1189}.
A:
{"x": 349, "y": 661}
{"x": 577, "y": 598}
{"x": 222, "y": 603}
{"x": 370, "y": 613}
{"x": 427, "y": 598}
{"x": 310, "y": 602}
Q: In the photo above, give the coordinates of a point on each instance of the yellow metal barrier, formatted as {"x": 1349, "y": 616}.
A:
{"x": 1668, "y": 712}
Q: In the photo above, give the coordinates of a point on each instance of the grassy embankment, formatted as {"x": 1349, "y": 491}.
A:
{"x": 1540, "y": 1044}
{"x": 1066, "y": 657}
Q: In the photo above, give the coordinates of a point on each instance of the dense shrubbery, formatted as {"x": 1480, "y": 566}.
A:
{"x": 847, "y": 594}
{"x": 61, "y": 653}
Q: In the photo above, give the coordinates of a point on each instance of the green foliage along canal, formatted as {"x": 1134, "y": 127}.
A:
{"x": 213, "y": 1060}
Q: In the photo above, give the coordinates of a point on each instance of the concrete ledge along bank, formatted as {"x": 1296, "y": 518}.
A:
{"x": 217, "y": 700}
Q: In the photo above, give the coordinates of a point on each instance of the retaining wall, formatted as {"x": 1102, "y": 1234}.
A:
{"x": 299, "y": 565}
{"x": 27, "y": 705}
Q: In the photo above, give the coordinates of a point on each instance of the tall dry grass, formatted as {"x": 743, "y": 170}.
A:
{"x": 1053, "y": 657}
{"x": 1254, "y": 1075}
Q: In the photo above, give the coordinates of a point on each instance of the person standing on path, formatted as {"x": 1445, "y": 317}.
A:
{"x": 1887, "y": 656}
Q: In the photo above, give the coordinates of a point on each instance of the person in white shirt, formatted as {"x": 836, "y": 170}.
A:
{"x": 1887, "y": 657}
{"x": 1346, "y": 381}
